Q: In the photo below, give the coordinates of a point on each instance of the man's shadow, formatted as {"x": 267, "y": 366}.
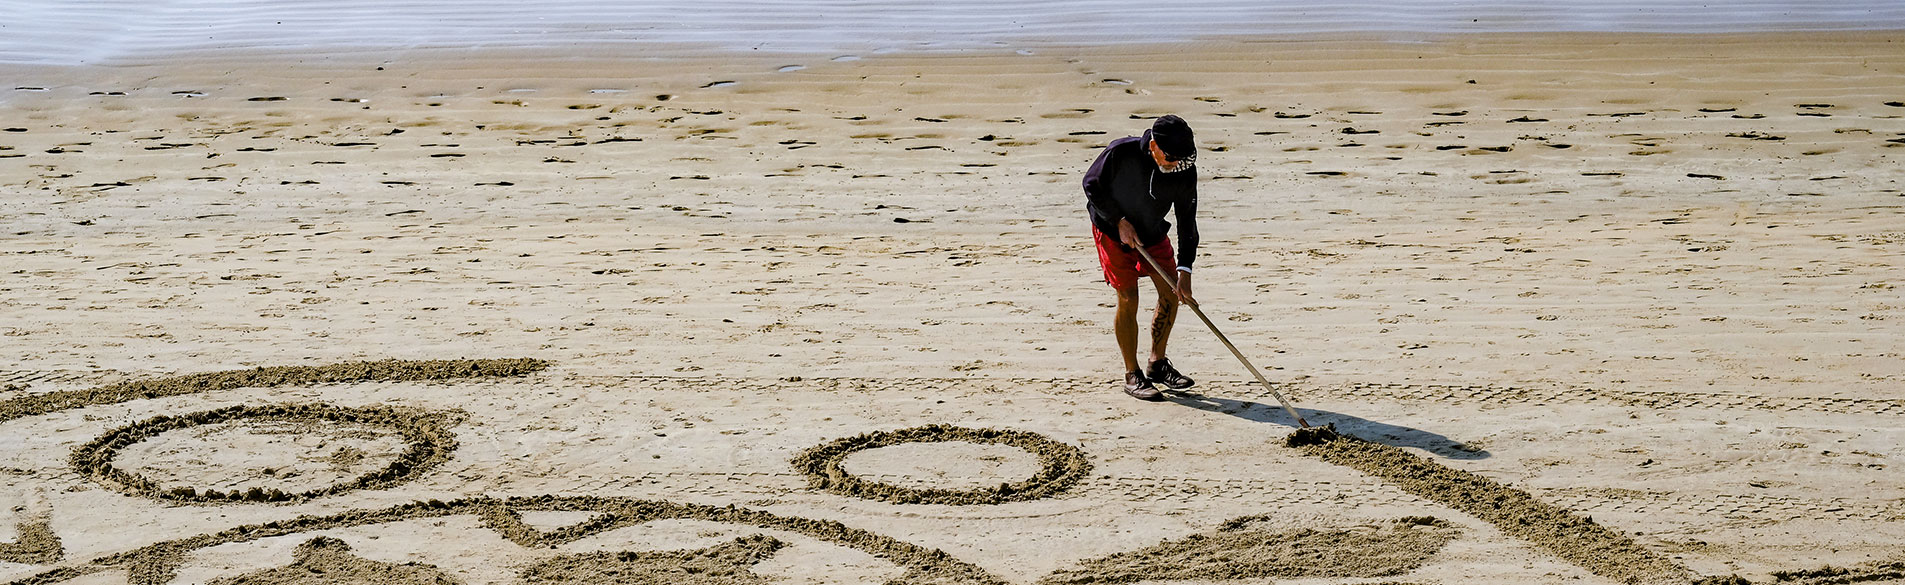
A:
{"x": 1368, "y": 430}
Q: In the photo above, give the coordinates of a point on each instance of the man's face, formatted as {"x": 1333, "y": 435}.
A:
{"x": 1166, "y": 164}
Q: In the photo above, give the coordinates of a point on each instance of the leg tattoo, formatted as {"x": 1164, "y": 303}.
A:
{"x": 1161, "y": 322}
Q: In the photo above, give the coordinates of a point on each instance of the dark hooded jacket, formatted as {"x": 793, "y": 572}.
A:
{"x": 1125, "y": 183}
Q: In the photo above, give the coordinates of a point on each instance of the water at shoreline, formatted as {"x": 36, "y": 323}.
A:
{"x": 109, "y": 32}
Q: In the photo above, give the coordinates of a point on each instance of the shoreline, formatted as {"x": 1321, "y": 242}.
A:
{"x": 610, "y": 52}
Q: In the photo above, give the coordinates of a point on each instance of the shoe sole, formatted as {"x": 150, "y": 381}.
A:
{"x": 1153, "y": 396}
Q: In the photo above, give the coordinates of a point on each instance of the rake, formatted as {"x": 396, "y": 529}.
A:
{"x": 1220, "y": 337}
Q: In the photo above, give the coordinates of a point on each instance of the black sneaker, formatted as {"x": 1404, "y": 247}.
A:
{"x": 1136, "y": 385}
{"x": 1163, "y": 373}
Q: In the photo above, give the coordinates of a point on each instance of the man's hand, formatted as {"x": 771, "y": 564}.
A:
{"x": 1184, "y": 288}
{"x": 1128, "y": 235}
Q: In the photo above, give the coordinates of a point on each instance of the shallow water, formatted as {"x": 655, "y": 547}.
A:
{"x": 118, "y": 31}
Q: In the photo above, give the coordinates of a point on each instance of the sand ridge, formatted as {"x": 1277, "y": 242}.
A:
{"x": 148, "y": 388}
{"x": 1237, "y": 550}
{"x": 34, "y": 543}
{"x": 1576, "y": 538}
{"x": 325, "y": 560}
{"x": 1060, "y": 466}
{"x": 157, "y": 564}
{"x": 427, "y": 437}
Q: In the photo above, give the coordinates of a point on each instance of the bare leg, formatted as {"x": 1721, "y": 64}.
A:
{"x": 1126, "y": 325}
{"x": 1163, "y": 318}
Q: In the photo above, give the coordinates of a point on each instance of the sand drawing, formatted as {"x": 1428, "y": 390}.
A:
{"x": 158, "y": 563}
{"x": 1060, "y": 466}
{"x": 1578, "y": 539}
{"x": 427, "y": 435}
{"x": 327, "y": 561}
{"x": 35, "y": 544}
{"x": 725, "y": 564}
{"x": 348, "y": 372}
{"x": 1241, "y": 550}
{"x": 1247, "y": 547}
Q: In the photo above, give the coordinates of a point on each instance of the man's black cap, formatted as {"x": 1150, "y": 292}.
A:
{"x": 1173, "y": 135}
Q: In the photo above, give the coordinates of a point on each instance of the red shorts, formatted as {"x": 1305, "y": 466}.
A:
{"x": 1122, "y": 264}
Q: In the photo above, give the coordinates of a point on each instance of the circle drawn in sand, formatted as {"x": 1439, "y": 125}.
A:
{"x": 1060, "y": 466}
{"x": 427, "y": 437}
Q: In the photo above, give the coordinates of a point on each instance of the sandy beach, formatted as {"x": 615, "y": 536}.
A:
{"x": 1651, "y": 280}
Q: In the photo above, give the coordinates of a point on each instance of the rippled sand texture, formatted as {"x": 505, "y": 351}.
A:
{"x": 1653, "y": 280}
{"x": 1614, "y": 212}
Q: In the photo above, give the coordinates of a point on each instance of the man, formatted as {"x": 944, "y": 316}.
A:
{"x": 1127, "y": 191}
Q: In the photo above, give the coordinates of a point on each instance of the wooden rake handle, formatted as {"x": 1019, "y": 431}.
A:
{"x": 1168, "y": 281}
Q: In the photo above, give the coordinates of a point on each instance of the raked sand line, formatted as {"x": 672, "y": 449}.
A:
{"x": 1060, "y": 466}
{"x": 348, "y": 372}
{"x": 1241, "y": 550}
{"x": 158, "y": 563}
{"x": 34, "y": 544}
{"x": 427, "y": 435}
{"x": 1575, "y": 538}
